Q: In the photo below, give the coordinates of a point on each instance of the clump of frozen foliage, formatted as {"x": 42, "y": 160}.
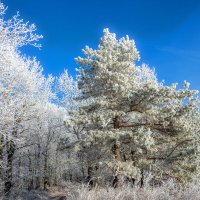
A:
{"x": 138, "y": 125}
{"x": 168, "y": 191}
{"x": 67, "y": 91}
{"x": 16, "y": 33}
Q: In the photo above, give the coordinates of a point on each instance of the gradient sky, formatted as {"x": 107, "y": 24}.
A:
{"x": 166, "y": 32}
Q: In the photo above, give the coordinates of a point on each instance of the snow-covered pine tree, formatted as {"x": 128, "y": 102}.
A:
{"x": 135, "y": 124}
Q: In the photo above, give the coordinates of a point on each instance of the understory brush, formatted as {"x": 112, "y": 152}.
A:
{"x": 169, "y": 191}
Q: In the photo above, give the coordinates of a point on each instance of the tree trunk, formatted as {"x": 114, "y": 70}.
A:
{"x": 142, "y": 179}
{"x": 90, "y": 182}
{"x": 38, "y": 167}
{"x": 55, "y": 182}
{"x": 1, "y": 156}
{"x": 30, "y": 178}
{"x": 117, "y": 152}
{"x": 1, "y": 147}
{"x": 46, "y": 179}
{"x": 9, "y": 170}
{"x": 19, "y": 164}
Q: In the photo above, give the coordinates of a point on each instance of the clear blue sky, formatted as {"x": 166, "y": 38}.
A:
{"x": 166, "y": 32}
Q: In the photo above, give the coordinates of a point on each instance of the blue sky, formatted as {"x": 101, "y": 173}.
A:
{"x": 166, "y": 32}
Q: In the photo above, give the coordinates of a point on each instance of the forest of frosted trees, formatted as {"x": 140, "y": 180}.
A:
{"x": 115, "y": 124}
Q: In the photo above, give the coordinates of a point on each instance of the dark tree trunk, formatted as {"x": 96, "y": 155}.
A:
{"x": 9, "y": 171}
{"x": 83, "y": 171}
{"x": 117, "y": 157}
{"x": 46, "y": 179}
{"x": 37, "y": 171}
{"x": 117, "y": 152}
{"x": 89, "y": 177}
{"x": 30, "y": 178}
{"x": 1, "y": 147}
{"x": 142, "y": 179}
{"x": 133, "y": 181}
{"x": 1, "y": 155}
